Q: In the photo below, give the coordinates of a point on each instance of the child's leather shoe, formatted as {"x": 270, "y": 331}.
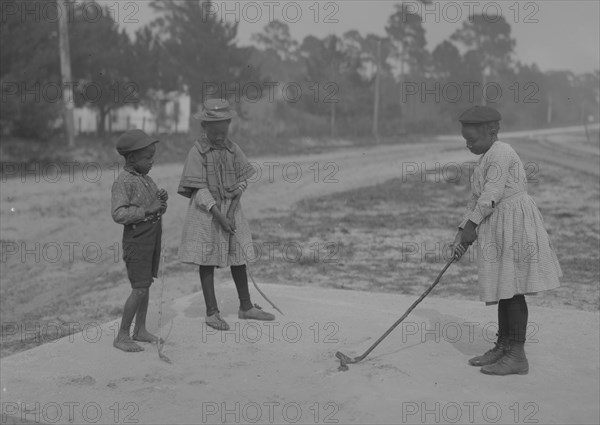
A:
{"x": 215, "y": 321}
{"x": 255, "y": 313}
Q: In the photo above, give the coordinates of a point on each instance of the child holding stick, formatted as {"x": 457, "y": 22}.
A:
{"x": 215, "y": 231}
{"x": 515, "y": 256}
{"x": 138, "y": 205}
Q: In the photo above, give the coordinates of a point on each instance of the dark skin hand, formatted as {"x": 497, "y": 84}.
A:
{"x": 464, "y": 238}
{"x": 156, "y": 207}
{"x": 142, "y": 161}
{"x": 227, "y": 221}
{"x": 163, "y": 196}
{"x": 223, "y": 220}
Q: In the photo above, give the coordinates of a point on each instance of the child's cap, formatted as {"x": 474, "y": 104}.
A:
{"x": 215, "y": 110}
{"x": 133, "y": 140}
{"x": 479, "y": 115}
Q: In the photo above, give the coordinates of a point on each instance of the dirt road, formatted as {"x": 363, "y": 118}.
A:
{"x": 566, "y": 147}
{"x": 58, "y": 235}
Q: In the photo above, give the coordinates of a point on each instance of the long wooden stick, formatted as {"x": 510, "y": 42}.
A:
{"x": 234, "y": 204}
{"x": 161, "y": 343}
{"x": 252, "y": 278}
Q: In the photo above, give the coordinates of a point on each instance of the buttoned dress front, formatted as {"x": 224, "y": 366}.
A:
{"x": 514, "y": 252}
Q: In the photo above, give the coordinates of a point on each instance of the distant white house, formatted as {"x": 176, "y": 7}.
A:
{"x": 171, "y": 115}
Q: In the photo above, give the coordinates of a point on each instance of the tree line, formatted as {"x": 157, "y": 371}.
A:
{"x": 348, "y": 85}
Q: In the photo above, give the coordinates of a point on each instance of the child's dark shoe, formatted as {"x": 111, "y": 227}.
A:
{"x": 493, "y": 355}
{"x": 513, "y": 362}
{"x": 215, "y": 321}
{"x": 255, "y": 313}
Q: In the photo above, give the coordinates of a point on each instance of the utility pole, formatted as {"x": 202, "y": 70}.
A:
{"x": 333, "y": 75}
{"x": 585, "y": 121}
{"x": 65, "y": 68}
{"x": 376, "y": 100}
{"x": 485, "y": 73}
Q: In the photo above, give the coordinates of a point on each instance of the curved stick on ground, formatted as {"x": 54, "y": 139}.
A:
{"x": 254, "y": 282}
{"x": 346, "y": 360}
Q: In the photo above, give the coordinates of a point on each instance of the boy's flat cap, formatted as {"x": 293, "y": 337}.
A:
{"x": 479, "y": 114}
{"x": 215, "y": 110}
{"x": 133, "y": 140}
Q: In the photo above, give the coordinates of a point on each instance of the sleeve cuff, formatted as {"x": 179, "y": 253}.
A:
{"x": 204, "y": 199}
{"x": 475, "y": 216}
{"x": 210, "y": 204}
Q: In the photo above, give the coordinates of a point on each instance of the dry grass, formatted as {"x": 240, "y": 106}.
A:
{"x": 394, "y": 237}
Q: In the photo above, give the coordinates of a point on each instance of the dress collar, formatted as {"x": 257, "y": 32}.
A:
{"x": 204, "y": 144}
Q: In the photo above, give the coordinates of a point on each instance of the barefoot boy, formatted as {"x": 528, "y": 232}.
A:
{"x": 138, "y": 205}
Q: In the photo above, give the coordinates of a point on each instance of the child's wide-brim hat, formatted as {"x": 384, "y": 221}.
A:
{"x": 215, "y": 110}
{"x": 133, "y": 140}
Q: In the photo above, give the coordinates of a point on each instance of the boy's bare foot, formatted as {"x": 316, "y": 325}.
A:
{"x": 126, "y": 344}
{"x": 145, "y": 336}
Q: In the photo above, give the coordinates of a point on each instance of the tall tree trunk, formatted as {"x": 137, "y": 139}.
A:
{"x": 332, "y": 123}
{"x": 376, "y": 100}
{"x": 101, "y": 130}
{"x": 65, "y": 68}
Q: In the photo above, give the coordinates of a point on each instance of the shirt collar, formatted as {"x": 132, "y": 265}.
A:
{"x": 129, "y": 168}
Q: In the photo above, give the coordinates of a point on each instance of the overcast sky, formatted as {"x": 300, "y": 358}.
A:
{"x": 555, "y": 34}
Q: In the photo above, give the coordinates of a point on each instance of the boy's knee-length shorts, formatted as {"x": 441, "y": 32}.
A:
{"x": 141, "y": 252}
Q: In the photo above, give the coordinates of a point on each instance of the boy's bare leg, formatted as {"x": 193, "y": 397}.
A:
{"x": 140, "y": 333}
{"x": 123, "y": 341}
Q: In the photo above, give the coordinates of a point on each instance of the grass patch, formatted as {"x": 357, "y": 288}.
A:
{"x": 395, "y": 237}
